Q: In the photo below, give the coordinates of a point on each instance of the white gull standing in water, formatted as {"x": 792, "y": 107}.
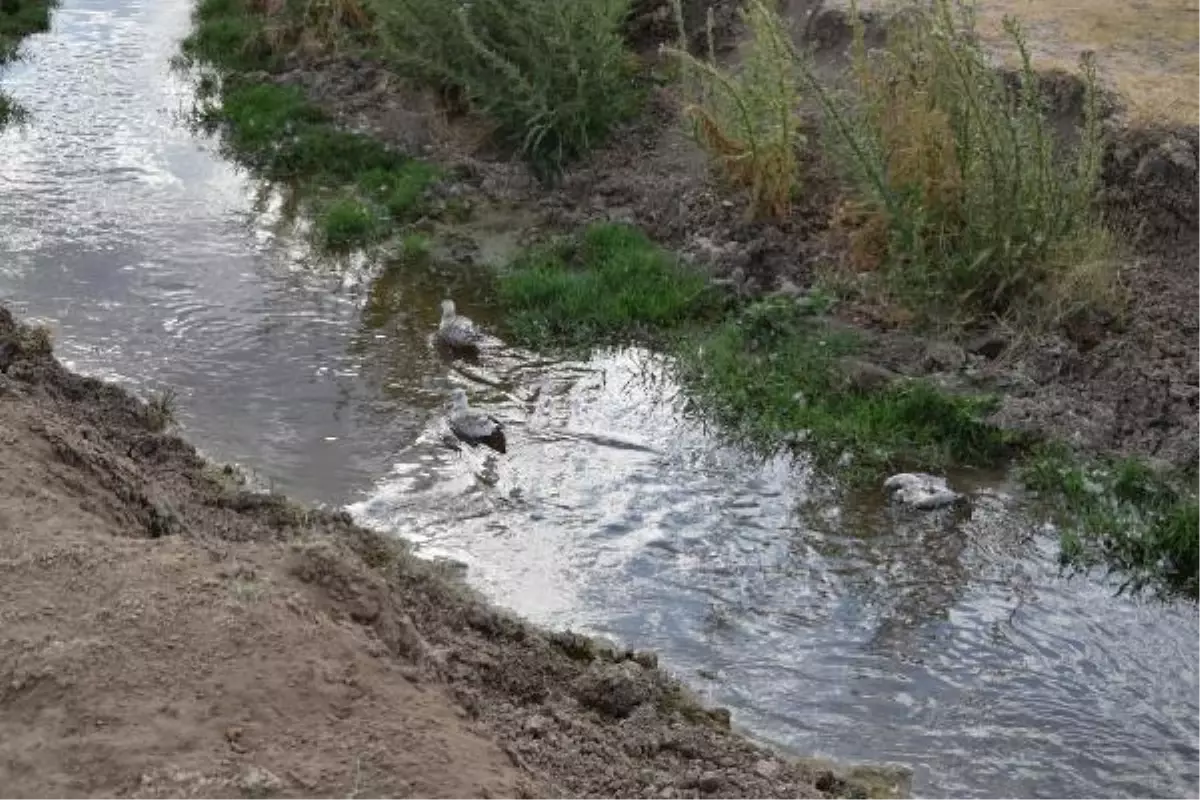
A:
{"x": 474, "y": 427}
{"x": 457, "y": 332}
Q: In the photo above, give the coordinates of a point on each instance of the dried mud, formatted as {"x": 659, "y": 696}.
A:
{"x": 165, "y": 632}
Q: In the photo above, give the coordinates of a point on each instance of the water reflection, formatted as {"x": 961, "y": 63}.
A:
{"x": 946, "y": 642}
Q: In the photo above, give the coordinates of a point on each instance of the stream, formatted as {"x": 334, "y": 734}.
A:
{"x": 863, "y": 633}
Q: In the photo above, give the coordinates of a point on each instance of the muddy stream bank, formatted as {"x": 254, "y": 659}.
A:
{"x": 947, "y": 643}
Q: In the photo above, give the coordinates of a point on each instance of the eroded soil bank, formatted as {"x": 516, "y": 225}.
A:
{"x": 168, "y": 633}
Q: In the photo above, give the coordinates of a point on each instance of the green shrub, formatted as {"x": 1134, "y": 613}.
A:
{"x": 610, "y": 284}
{"x": 553, "y": 75}
{"x": 985, "y": 214}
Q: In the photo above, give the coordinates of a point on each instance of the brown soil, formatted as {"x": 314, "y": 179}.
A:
{"x": 1123, "y": 386}
{"x": 167, "y": 633}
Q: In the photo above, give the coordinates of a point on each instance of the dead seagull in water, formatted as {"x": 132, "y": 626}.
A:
{"x": 457, "y": 332}
{"x": 474, "y": 427}
{"x": 920, "y": 491}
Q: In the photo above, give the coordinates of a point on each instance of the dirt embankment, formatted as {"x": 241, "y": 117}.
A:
{"x": 1125, "y": 386}
{"x": 164, "y": 632}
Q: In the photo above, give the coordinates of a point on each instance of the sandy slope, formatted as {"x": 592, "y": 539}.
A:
{"x": 164, "y": 632}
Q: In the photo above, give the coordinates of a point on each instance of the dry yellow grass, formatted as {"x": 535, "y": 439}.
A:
{"x": 1148, "y": 50}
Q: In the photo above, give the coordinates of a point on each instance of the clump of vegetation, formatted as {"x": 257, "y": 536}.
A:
{"x": 554, "y": 76}
{"x": 160, "y": 410}
{"x": 1141, "y": 523}
{"x": 770, "y": 374}
{"x": 984, "y": 213}
{"x": 18, "y": 19}
{"x": 347, "y": 223}
{"x": 746, "y": 118}
{"x": 775, "y": 374}
{"x": 358, "y": 185}
{"x": 247, "y": 35}
{"x": 609, "y": 284}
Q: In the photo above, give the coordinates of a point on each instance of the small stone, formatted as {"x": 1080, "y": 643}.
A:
{"x": 766, "y": 768}
{"x": 788, "y": 289}
{"x": 943, "y": 357}
{"x": 710, "y": 782}
{"x": 827, "y": 782}
{"x": 258, "y": 782}
{"x": 615, "y": 690}
{"x": 989, "y": 345}
{"x": 537, "y": 725}
{"x": 1173, "y": 157}
{"x": 647, "y": 658}
{"x": 864, "y": 376}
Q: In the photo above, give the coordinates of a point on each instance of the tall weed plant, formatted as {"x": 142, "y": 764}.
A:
{"x": 554, "y": 76}
{"x": 985, "y": 213}
{"x": 746, "y": 117}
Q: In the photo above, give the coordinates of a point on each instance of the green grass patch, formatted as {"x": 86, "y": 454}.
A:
{"x": 770, "y": 374}
{"x": 357, "y": 189}
{"x": 18, "y": 19}
{"x": 1122, "y": 514}
{"x": 347, "y": 223}
{"x": 775, "y": 374}
{"x": 610, "y": 284}
{"x": 229, "y": 35}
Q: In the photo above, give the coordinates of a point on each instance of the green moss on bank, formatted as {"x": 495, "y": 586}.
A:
{"x": 357, "y": 190}
{"x": 18, "y": 19}
{"x": 1140, "y": 522}
{"x": 770, "y": 373}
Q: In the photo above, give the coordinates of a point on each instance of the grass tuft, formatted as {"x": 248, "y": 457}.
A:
{"x": 608, "y": 285}
{"x": 160, "y": 410}
{"x": 347, "y": 223}
{"x": 985, "y": 213}
{"x": 1140, "y": 522}
{"x": 747, "y": 118}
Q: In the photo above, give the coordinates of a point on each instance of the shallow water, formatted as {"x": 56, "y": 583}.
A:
{"x": 950, "y": 644}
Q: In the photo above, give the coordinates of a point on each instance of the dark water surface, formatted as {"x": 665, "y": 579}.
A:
{"x": 948, "y": 644}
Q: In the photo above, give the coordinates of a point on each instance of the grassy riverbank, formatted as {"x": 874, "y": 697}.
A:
{"x": 772, "y": 373}
{"x": 961, "y": 216}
